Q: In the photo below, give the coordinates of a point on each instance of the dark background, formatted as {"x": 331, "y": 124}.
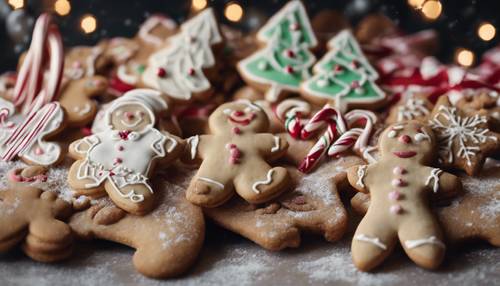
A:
{"x": 457, "y": 25}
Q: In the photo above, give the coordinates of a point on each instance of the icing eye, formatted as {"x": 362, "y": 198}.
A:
{"x": 227, "y": 111}
{"x": 419, "y": 137}
{"x": 248, "y": 109}
{"x": 392, "y": 134}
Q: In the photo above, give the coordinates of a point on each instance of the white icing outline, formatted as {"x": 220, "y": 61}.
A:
{"x": 151, "y": 23}
{"x": 214, "y": 182}
{"x": 276, "y": 146}
{"x": 267, "y": 181}
{"x": 82, "y": 111}
{"x": 410, "y": 244}
{"x": 372, "y": 240}
{"x": 193, "y": 142}
{"x": 361, "y": 172}
{"x": 434, "y": 177}
{"x": 127, "y": 78}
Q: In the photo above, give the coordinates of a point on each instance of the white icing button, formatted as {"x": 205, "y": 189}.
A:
{"x": 394, "y": 195}
{"x": 396, "y": 209}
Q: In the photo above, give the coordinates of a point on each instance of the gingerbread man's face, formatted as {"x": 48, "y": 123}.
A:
{"x": 131, "y": 116}
{"x": 238, "y": 117}
{"x": 410, "y": 140}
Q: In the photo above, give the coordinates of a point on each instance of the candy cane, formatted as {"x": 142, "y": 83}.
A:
{"x": 45, "y": 53}
{"x": 291, "y": 111}
{"x": 326, "y": 116}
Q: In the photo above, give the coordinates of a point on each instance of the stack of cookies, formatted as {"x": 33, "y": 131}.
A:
{"x": 140, "y": 140}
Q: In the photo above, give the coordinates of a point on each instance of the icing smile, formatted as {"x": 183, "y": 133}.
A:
{"x": 240, "y": 117}
{"x": 404, "y": 154}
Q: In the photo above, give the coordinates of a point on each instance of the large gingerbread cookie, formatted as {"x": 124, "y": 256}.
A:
{"x": 121, "y": 158}
{"x": 235, "y": 157}
{"x": 399, "y": 184}
{"x": 167, "y": 240}
{"x": 33, "y": 217}
{"x": 313, "y": 205}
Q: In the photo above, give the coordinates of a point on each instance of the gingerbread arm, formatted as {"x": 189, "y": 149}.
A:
{"x": 79, "y": 148}
{"x": 271, "y": 146}
{"x": 356, "y": 176}
{"x": 173, "y": 145}
{"x": 444, "y": 185}
{"x": 194, "y": 148}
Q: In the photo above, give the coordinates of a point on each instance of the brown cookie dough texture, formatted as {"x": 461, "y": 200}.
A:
{"x": 234, "y": 157}
{"x": 399, "y": 185}
{"x": 32, "y": 217}
{"x": 119, "y": 160}
{"x": 167, "y": 240}
{"x": 312, "y": 205}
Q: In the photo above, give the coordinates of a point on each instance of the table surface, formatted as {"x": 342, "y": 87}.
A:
{"x": 228, "y": 259}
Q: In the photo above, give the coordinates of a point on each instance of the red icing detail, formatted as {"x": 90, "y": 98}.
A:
{"x": 236, "y": 130}
{"x": 405, "y": 139}
{"x": 337, "y": 68}
{"x": 86, "y": 131}
{"x": 129, "y": 115}
{"x": 118, "y": 160}
{"x": 295, "y": 26}
{"x": 290, "y": 53}
{"x": 161, "y": 72}
{"x": 405, "y": 154}
{"x": 39, "y": 151}
{"x": 124, "y": 134}
{"x": 191, "y": 71}
{"x": 239, "y": 113}
{"x": 289, "y": 69}
{"x": 355, "y": 84}
{"x": 120, "y": 148}
{"x": 119, "y": 86}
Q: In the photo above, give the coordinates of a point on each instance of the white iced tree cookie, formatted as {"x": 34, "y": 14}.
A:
{"x": 121, "y": 158}
{"x": 178, "y": 69}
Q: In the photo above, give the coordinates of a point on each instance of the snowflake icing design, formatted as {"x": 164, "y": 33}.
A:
{"x": 467, "y": 132}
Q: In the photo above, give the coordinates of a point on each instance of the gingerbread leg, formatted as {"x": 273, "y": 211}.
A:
{"x": 371, "y": 243}
{"x": 259, "y": 183}
{"x": 209, "y": 188}
{"x": 422, "y": 240}
{"x": 81, "y": 186}
{"x": 136, "y": 199}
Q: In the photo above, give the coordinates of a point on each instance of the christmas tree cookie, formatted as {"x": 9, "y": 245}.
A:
{"x": 285, "y": 61}
{"x": 344, "y": 76}
{"x": 179, "y": 69}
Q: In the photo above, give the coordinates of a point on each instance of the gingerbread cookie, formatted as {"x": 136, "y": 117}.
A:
{"x": 399, "y": 207}
{"x": 167, "y": 240}
{"x": 285, "y": 61}
{"x": 234, "y": 157}
{"x": 413, "y": 106}
{"x": 463, "y": 137}
{"x": 482, "y": 99}
{"x": 313, "y": 205}
{"x": 344, "y": 76}
{"x": 121, "y": 158}
{"x": 32, "y": 217}
{"x": 471, "y": 216}
{"x": 81, "y": 83}
{"x": 178, "y": 70}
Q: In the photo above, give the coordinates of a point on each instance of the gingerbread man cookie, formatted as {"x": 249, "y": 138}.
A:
{"x": 399, "y": 184}
{"x": 121, "y": 158}
{"x": 81, "y": 83}
{"x": 167, "y": 240}
{"x": 413, "y": 106}
{"x": 234, "y": 157}
{"x": 32, "y": 216}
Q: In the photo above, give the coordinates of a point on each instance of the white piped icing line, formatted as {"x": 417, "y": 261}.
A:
{"x": 419, "y": 242}
{"x": 267, "y": 181}
{"x": 434, "y": 178}
{"x": 361, "y": 175}
{"x": 83, "y": 110}
{"x": 276, "y": 146}
{"x": 213, "y": 182}
{"x": 412, "y": 108}
{"x": 145, "y": 32}
{"x": 373, "y": 240}
{"x": 462, "y": 130}
{"x": 193, "y": 142}
{"x": 122, "y": 74}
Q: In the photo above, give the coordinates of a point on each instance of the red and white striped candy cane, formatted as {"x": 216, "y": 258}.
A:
{"x": 33, "y": 88}
{"x": 291, "y": 112}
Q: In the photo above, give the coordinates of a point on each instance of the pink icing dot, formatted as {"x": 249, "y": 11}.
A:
{"x": 120, "y": 148}
{"x": 236, "y": 130}
{"x": 396, "y": 209}
{"x": 394, "y": 195}
{"x": 118, "y": 160}
{"x": 399, "y": 170}
{"x": 38, "y": 151}
{"x": 399, "y": 183}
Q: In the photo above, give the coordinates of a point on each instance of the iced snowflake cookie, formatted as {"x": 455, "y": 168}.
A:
{"x": 167, "y": 240}
{"x": 411, "y": 107}
{"x": 121, "y": 158}
{"x": 399, "y": 184}
{"x": 82, "y": 83}
{"x": 32, "y": 217}
{"x": 285, "y": 61}
{"x": 234, "y": 157}
{"x": 471, "y": 216}
{"x": 344, "y": 76}
{"x": 482, "y": 99}
{"x": 463, "y": 137}
{"x": 313, "y": 205}
{"x": 179, "y": 69}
